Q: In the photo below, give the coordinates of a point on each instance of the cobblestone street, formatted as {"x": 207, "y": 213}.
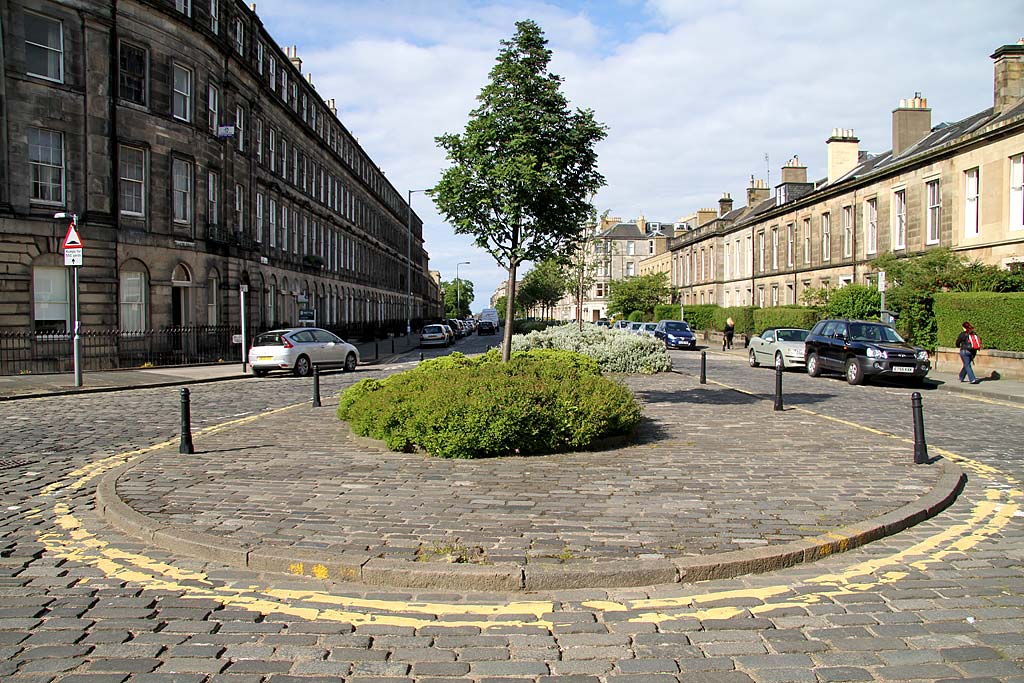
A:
{"x": 82, "y": 602}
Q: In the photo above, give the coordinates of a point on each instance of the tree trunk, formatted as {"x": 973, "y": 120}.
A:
{"x": 510, "y": 313}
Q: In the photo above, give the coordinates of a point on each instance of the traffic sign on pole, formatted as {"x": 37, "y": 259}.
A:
{"x": 73, "y": 256}
{"x": 72, "y": 239}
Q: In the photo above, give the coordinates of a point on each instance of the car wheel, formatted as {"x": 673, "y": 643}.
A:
{"x": 780, "y": 362}
{"x": 350, "y": 362}
{"x": 752, "y": 359}
{"x": 260, "y": 373}
{"x": 813, "y": 369}
{"x": 303, "y": 367}
{"x": 854, "y": 375}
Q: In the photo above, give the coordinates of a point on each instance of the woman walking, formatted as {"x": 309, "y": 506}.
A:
{"x": 730, "y": 328}
{"x": 968, "y": 342}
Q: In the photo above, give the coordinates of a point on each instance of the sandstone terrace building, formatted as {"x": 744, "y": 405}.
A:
{"x": 115, "y": 111}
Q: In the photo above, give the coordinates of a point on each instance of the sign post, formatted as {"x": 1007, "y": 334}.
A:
{"x": 242, "y": 291}
{"x": 881, "y": 289}
{"x": 73, "y": 249}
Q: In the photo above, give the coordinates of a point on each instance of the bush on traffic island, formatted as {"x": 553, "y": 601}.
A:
{"x": 539, "y": 402}
{"x": 614, "y": 350}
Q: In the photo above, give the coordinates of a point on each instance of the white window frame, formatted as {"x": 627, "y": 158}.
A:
{"x": 124, "y": 178}
{"x": 630, "y": 269}
{"x": 184, "y": 6}
{"x": 899, "y": 218}
{"x": 775, "y": 248}
{"x": 59, "y": 50}
{"x": 807, "y": 240}
{"x": 121, "y": 70}
{"x": 1017, "y": 192}
{"x": 239, "y": 35}
{"x": 259, "y": 217}
{"x": 826, "y": 236}
{"x": 285, "y": 245}
{"x": 790, "y": 245}
{"x": 871, "y": 225}
{"x": 214, "y": 17}
{"x": 132, "y": 307}
{"x": 630, "y": 248}
{"x": 848, "y": 231}
{"x": 49, "y": 300}
{"x": 240, "y": 127}
{"x": 259, "y": 140}
{"x": 212, "y": 300}
{"x": 933, "y": 211}
{"x": 972, "y": 196}
{"x": 760, "y": 249}
{"x": 271, "y": 149}
{"x": 726, "y": 260}
{"x": 239, "y": 208}
{"x": 212, "y": 198}
{"x": 184, "y": 97}
{"x": 259, "y": 57}
{"x": 41, "y": 170}
{"x": 212, "y": 107}
{"x": 272, "y": 72}
{"x": 272, "y": 228}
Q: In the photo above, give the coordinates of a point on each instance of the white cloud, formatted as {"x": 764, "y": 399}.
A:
{"x": 694, "y": 94}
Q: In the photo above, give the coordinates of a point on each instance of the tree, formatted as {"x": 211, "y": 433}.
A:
{"x": 458, "y": 295}
{"x": 525, "y": 165}
{"x": 583, "y": 264}
{"x": 545, "y": 285}
{"x": 641, "y": 293}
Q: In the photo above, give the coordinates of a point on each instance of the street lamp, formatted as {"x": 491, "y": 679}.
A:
{"x": 408, "y": 263}
{"x": 458, "y": 288}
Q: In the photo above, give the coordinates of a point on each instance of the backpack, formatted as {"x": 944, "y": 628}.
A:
{"x": 974, "y": 340}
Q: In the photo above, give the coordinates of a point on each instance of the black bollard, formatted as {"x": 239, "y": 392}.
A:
{"x": 392, "y": 346}
{"x": 376, "y": 350}
{"x": 186, "y": 446}
{"x": 421, "y": 356}
{"x": 703, "y": 367}
{"x": 778, "y": 387}
{"x": 920, "y": 445}
{"x": 316, "y": 386}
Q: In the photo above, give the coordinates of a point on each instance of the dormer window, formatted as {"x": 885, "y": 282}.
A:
{"x": 780, "y": 194}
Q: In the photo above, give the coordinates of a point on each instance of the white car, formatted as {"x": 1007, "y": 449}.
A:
{"x": 782, "y": 347}
{"x": 298, "y": 349}
{"x": 434, "y": 335}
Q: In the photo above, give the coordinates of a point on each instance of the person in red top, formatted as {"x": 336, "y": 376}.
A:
{"x": 968, "y": 343}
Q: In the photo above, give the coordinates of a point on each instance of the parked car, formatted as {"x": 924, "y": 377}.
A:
{"x": 603, "y": 323}
{"x": 298, "y": 349}
{"x": 676, "y": 334}
{"x": 457, "y": 328}
{"x": 647, "y": 329}
{"x": 861, "y": 349}
{"x": 434, "y": 335}
{"x": 634, "y": 328}
{"x": 486, "y": 327}
{"x": 450, "y": 332}
{"x": 781, "y": 346}
{"x": 621, "y": 325}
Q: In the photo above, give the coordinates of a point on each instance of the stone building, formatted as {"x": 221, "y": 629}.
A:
{"x": 199, "y": 158}
{"x": 957, "y": 185}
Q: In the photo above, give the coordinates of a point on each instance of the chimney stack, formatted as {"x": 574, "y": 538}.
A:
{"x": 293, "y": 56}
{"x": 724, "y": 204}
{"x": 332, "y": 106}
{"x": 1009, "y": 76}
{"x": 707, "y": 215}
{"x": 794, "y": 171}
{"x": 757, "y": 192}
{"x": 911, "y": 122}
{"x": 843, "y": 153}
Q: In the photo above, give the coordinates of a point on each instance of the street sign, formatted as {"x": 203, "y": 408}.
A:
{"x": 236, "y": 339}
{"x": 73, "y": 256}
{"x": 72, "y": 238}
{"x": 881, "y": 281}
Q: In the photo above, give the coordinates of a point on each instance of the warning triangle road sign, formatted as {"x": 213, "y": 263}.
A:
{"x": 72, "y": 240}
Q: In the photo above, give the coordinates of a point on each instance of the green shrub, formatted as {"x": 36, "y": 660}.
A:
{"x": 666, "y": 312}
{"x": 858, "y": 302}
{"x": 916, "y": 321}
{"x": 701, "y": 316}
{"x": 742, "y": 318}
{"x": 997, "y": 316}
{"x": 540, "y": 402}
{"x": 614, "y": 350}
{"x": 527, "y": 326}
{"x": 785, "y": 316}
{"x": 636, "y": 317}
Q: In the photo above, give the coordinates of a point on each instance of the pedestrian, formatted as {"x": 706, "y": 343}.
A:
{"x": 968, "y": 342}
{"x": 730, "y": 328}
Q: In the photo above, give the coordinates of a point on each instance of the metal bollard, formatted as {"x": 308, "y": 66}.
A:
{"x": 703, "y": 367}
{"x": 186, "y": 446}
{"x": 392, "y": 346}
{"x": 376, "y": 350}
{"x": 920, "y": 445}
{"x": 421, "y": 356}
{"x": 778, "y": 387}
{"x": 316, "y": 386}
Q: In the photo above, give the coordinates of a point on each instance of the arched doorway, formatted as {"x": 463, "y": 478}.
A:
{"x": 181, "y": 305}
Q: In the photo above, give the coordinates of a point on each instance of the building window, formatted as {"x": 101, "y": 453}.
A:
{"x": 775, "y": 295}
{"x": 271, "y": 149}
{"x": 899, "y": 219}
{"x": 760, "y": 251}
{"x": 775, "y": 248}
{"x": 212, "y": 198}
{"x": 132, "y": 295}
{"x": 212, "y": 107}
{"x": 259, "y": 140}
{"x": 935, "y": 212}
{"x": 807, "y": 240}
{"x": 630, "y": 249}
{"x": 181, "y": 172}
{"x": 50, "y": 304}
{"x": 214, "y": 17}
{"x": 272, "y": 72}
{"x": 791, "y": 295}
{"x": 133, "y": 180}
{"x": 259, "y": 217}
{"x": 284, "y": 158}
{"x": 184, "y": 6}
{"x": 44, "y": 47}
{"x": 132, "y": 74}
{"x": 790, "y": 244}
{"x": 259, "y": 58}
{"x": 273, "y": 222}
{"x": 182, "y": 104}
{"x": 239, "y": 36}
{"x": 630, "y": 269}
{"x": 284, "y": 82}
{"x": 272, "y": 304}
{"x": 46, "y": 165}
{"x": 736, "y": 256}
{"x": 285, "y": 246}
{"x": 760, "y": 297}
{"x": 1016, "y": 193}
{"x": 726, "y": 261}
{"x": 749, "y": 251}
{"x": 212, "y": 296}
{"x": 847, "y": 231}
{"x": 871, "y": 225}
{"x": 971, "y": 190}
{"x": 305, "y": 110}
{"x": 239, "y": 208}
{"x": 240, "y": 128}
{"x": 826, "y": 237}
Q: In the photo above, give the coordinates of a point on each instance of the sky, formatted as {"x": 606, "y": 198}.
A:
{"x": 695, "y": 95}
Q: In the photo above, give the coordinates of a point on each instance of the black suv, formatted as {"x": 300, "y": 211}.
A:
{"x": 861, "y": 349}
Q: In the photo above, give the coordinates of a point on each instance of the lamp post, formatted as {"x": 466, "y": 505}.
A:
{"x": 408, "y": 263}
{"x": 73, "y": 259}
{"x": 458, "y": 288}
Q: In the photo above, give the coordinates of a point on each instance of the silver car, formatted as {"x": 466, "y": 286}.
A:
{"x": 298, "y": 349}
{"x": 782, "y": 347}
{"x": 434, "y": 335}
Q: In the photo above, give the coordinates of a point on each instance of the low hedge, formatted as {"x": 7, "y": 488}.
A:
{"x": 742, "y": 318}
{"x": 701, "y": 316}
{"x": 539, "y": 402}
{"x": 666, "y": 312}
{"x": 613, "y": 350}
{"x": 997, "y": 316}
{"x": 785, "y": 316}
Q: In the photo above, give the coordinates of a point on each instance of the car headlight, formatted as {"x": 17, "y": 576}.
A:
{"x": 922, "y": 355}
{"x": 875, "y": 353}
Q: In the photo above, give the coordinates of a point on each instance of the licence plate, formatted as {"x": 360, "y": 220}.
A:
{"x": 902, "y": 368}
{"x": 264, "y": 358}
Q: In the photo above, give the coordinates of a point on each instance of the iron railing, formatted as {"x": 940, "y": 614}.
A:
{"x": 27, "y": 352}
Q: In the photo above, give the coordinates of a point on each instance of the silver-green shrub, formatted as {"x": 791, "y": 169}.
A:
{"x": 614, "y": 350}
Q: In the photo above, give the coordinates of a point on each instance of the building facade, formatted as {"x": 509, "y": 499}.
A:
{"x": 958, "y": 185}
{"x": 200, "y": 161}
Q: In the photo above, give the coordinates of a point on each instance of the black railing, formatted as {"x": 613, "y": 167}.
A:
{"x": 27, "y": 352}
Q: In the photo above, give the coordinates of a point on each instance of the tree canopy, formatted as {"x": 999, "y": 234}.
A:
{"x": 522, "y": 171}
{"x": 641, "y": 293}
{"x": 458, "y": 295}
{"x": 543, "y": 286}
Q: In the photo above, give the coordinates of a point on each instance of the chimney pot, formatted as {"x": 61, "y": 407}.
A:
{"x": 1009, "y": 76}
